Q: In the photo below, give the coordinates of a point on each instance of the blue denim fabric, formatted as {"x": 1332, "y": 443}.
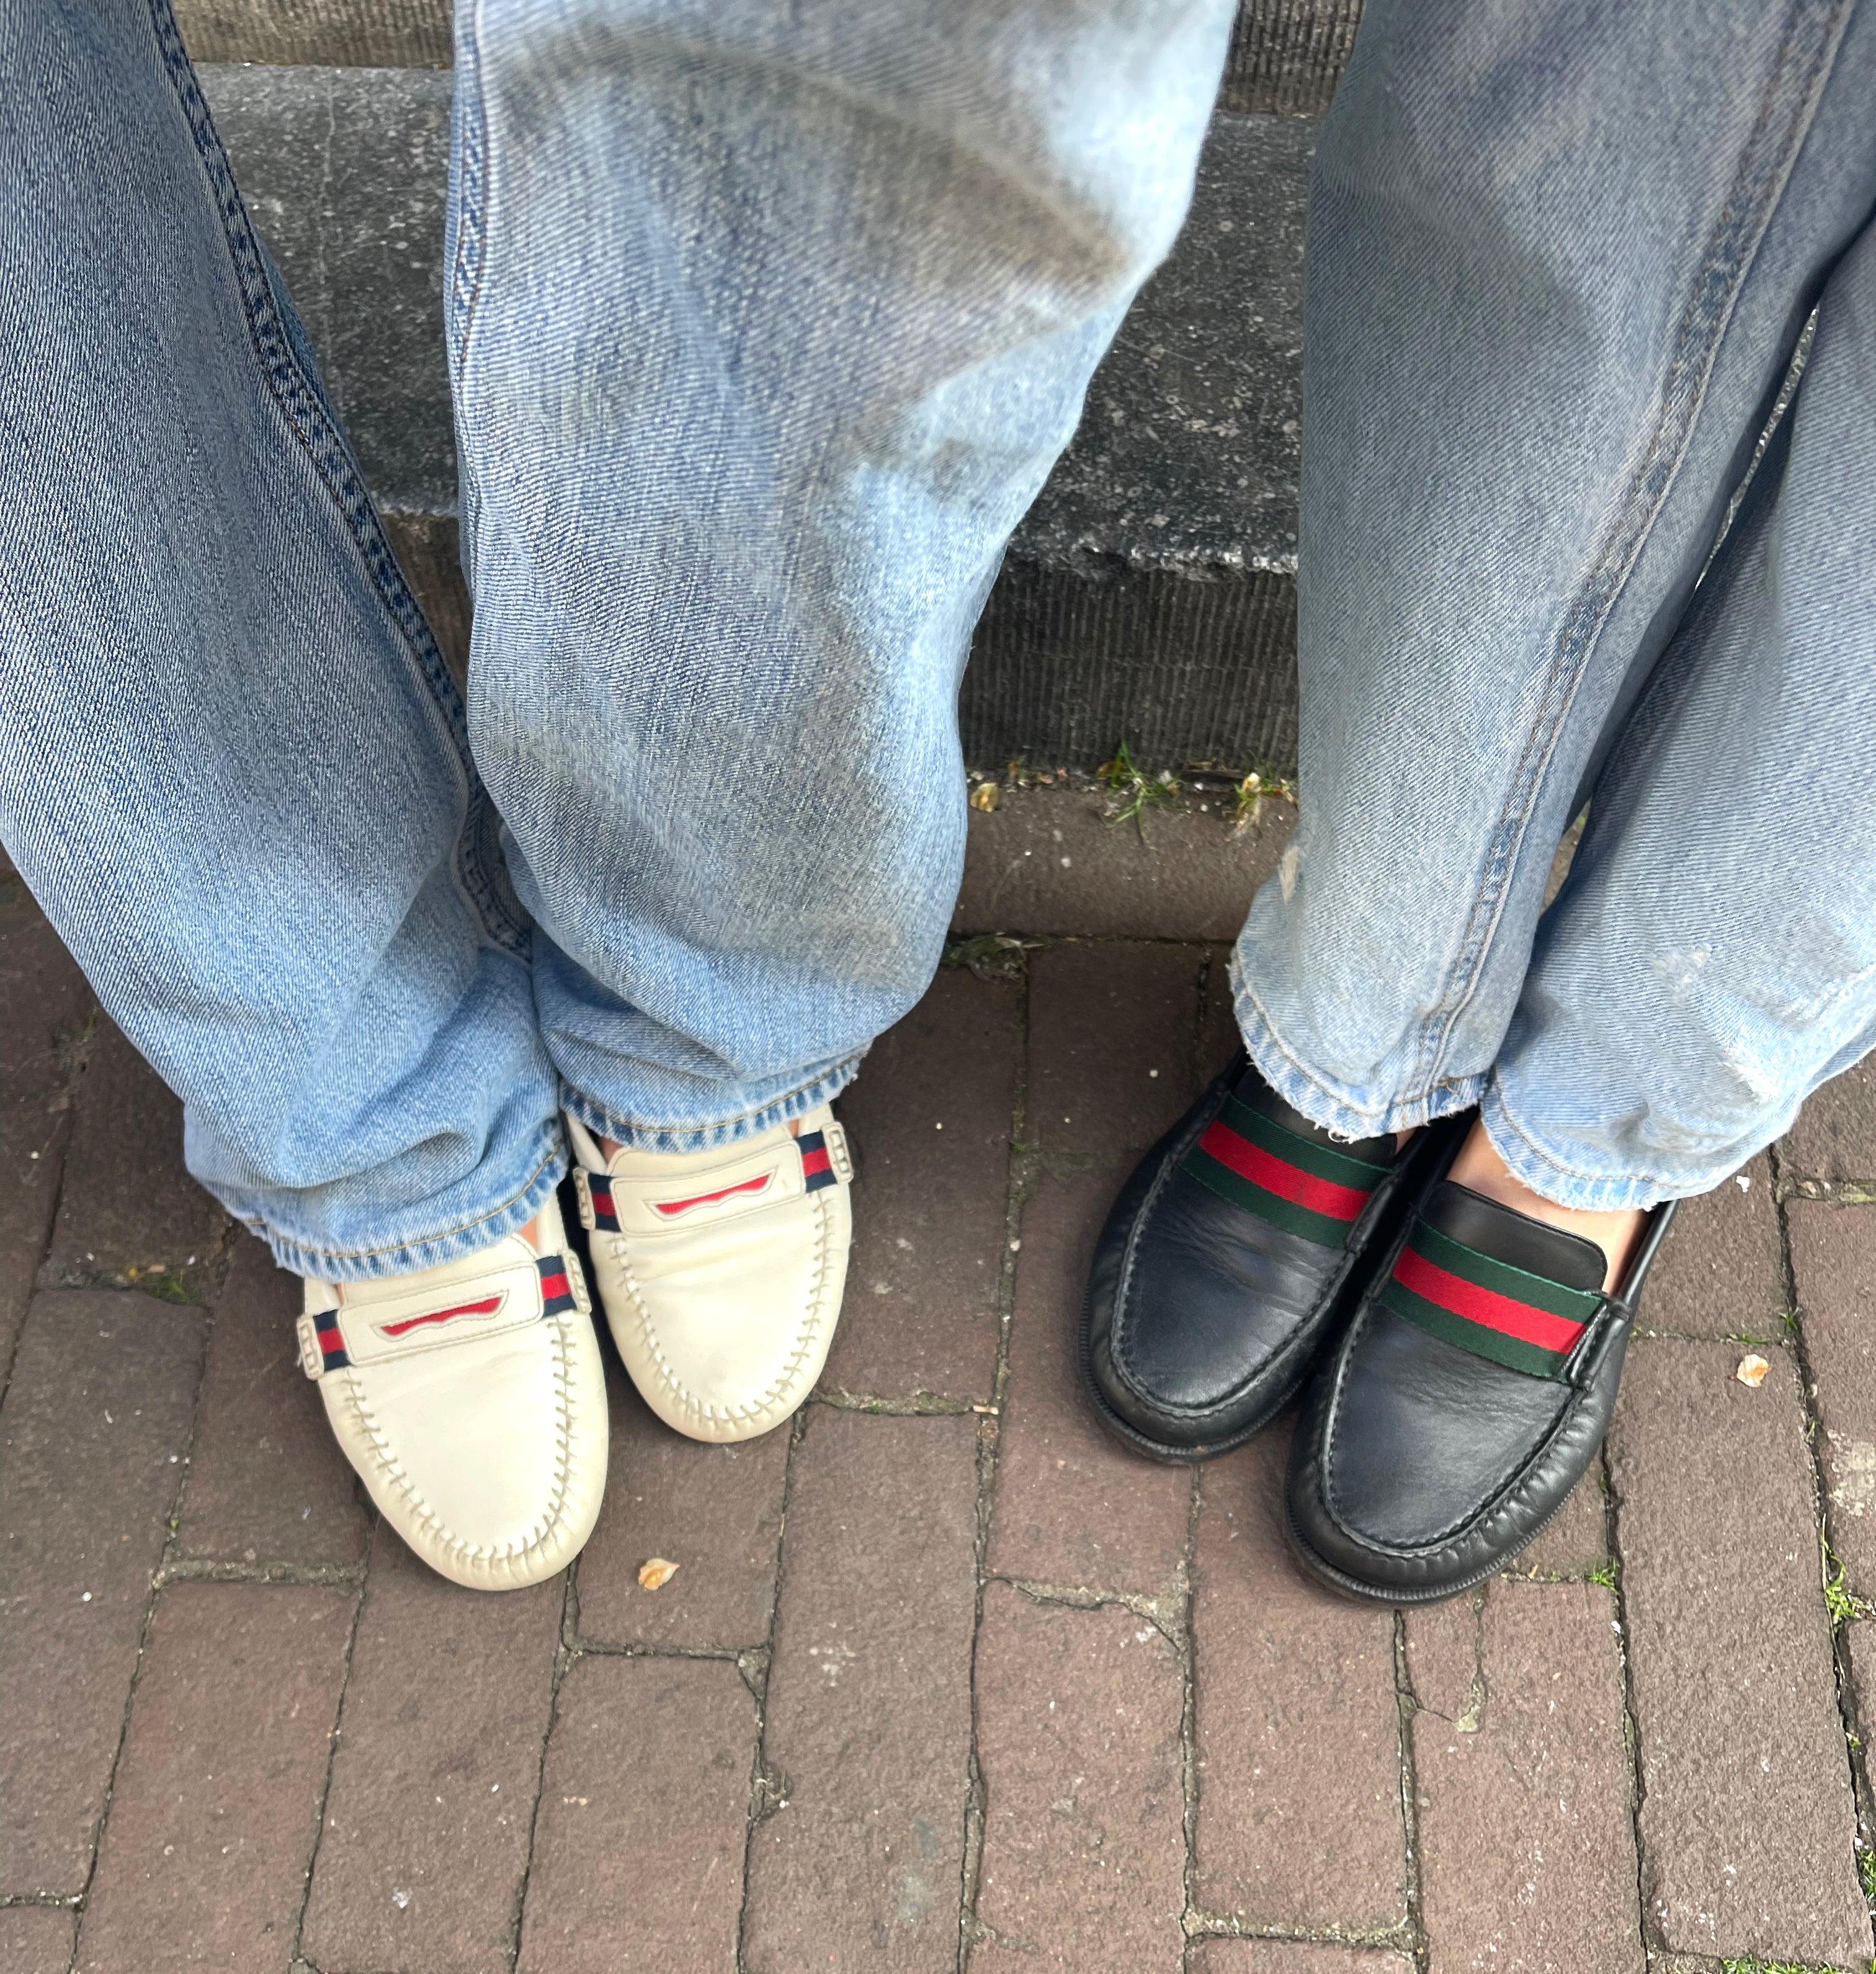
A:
{"x": 766, "y": 325}
{"x": 1560, "y": 255}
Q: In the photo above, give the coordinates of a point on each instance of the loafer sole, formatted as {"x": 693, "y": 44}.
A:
{"x": 1356, "y": 1591}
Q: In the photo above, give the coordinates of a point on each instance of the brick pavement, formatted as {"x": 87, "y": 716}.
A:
{"x": 944, "y": 1678}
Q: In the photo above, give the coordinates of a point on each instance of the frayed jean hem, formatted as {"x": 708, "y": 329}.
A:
{"x": 1346, "y": 1113}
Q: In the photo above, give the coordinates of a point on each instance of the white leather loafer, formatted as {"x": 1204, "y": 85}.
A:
{"x": 721, "y": 1271}
{"x": 471, "y": 1399}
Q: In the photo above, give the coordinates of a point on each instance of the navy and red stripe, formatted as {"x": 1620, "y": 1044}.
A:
{"x": 817, "y": 1163}
{"x": 1488, "y": 1307}
{"x": 556, "y": 1290}
{"x": 599, "y": 1189}
{"x": 1298, "y": 1184}
{"x": 331, "y": 1341}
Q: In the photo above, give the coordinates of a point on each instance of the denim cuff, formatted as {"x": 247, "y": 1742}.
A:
{"x": 700, "y": 1137}
{"x": 1348, "y": 1113}
{"x": 428, "y": 1250}
{"x": 1544, "y": 1171}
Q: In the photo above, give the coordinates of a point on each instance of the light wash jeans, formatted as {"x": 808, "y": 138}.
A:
{"x": 1560, "y": 254}
{"x": 765, "y": 323}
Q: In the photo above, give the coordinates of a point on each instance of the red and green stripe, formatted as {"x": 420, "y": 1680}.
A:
{"x": 1488, "y": 1307}
{"x": 1295, "y": 1183}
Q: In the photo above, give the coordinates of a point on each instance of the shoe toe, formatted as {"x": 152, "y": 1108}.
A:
{"x": 1427, "y": 1436}
{"x": 1200, "y": 1318}
{"x": 489, "y": 1458}
{"x": 1203, "y": 1317}
{"x": 1418, "y": 1469}
{"x": 726, "y": 1336}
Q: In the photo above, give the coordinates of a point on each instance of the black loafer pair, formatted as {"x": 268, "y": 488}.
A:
{"x": 1461, "y": 1359}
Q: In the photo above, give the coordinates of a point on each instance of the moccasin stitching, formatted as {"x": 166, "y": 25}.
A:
{"x": 1457, "y": 1533}
{"x": 808, "y": 1336}
{"x": 1232, "y": 1399}
{"x": 432, "y": 1522}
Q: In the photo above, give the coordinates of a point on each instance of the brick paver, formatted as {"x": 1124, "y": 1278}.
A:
{"x": 1857, "y": 1643}
{"x": 44, "y": 1005}
{"x": 36, "y": 1939}
{"x": 1112, "y": 1040}
{"x": 1218, "y": 1039}
{"x": 1833, "y": 1262}
{"x": 644, "y": 1817}
{"x": 930, "y": 1115}
{"x": 268, "y": 1484}
{"x": 426, "y": 1841}
{"x": 1045, "y": 862}
{"x": 1527, "y": 1835}
{"x": 1113, "y": 1029}
{"x": 1075, "y": 1507}
{"x": 1078, "y": 1738}
{"x": 92, "y": 1435}
{"x": 1576, "y": 1542}
{"x": 868, "y": 1719}
{"x": 1719, "y": 1273}
{"x": 1835, "y": 1137}
{"x": 1285, "y": 1957}
{"x": 829, "y": 1737}
{"x": 715, "y": 1511}
{"x": 129, "y": 1212}
{"x": 217, "y": 1798}
{"x": 1286, "y": 1670}
{"x": 1747, "y": 1824}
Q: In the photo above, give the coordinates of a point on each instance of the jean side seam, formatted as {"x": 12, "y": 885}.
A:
{"x": 301, "y": 403}
{"x": 1753, "y": 200}
{"x": 469, "y": 245}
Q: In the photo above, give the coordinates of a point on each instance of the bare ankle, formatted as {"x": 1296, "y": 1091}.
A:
{"x": 1479, "y": 1168}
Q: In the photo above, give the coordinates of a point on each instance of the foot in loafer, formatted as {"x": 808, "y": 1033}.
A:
{"x": 1233, "y": 1252}
{"x": 1468, "y": 1396}
{"x": 469, "y": 1397}
{"x": 720, "y": 1271}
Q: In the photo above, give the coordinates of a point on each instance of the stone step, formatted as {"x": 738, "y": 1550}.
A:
{"x": 1286, "y": 55}
{"x": 1149, "y": 594}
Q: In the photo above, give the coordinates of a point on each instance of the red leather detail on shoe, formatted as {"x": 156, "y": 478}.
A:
{"x": 486, "y": 1306}
{"x": 1484, "y": 1305}
{"x": 670, "y": 1207}
{"x": 1261, "y": 1167}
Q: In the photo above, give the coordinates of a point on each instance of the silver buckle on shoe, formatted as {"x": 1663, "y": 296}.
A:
{"x": 576, "y": 1276}
{"x": 582, "y": 1193}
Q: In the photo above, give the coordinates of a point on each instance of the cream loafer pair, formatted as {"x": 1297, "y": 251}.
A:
{"x": 470, "y": 1397}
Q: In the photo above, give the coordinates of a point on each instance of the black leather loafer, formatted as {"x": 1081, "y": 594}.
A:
{"x": 1465, "y": 1400}
{"x": 1235, "y": 1249}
